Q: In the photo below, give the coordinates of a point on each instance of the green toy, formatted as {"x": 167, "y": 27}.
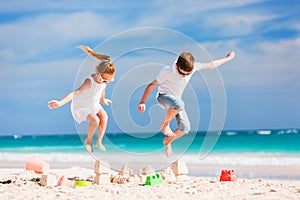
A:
{"x": 83, "y": 183}
{"x": 154, "y": 180}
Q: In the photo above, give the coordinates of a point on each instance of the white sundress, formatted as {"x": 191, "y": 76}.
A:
{"x": 87, "y": 102}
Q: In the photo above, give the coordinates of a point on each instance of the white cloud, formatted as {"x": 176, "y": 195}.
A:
{"x": 186, "y": 7}
{"x": 50, "y": 5}
{"x": 168, "y": 14}
{"x": 282, "y": 58}
{"x": 216, "y": 4}
{"x": 7, "y": 54}
{"x": 235, "y": 24}
{"x": 267, "y": 65}
{"x": 36, "y": 35}
{"x": 32, "y": 79}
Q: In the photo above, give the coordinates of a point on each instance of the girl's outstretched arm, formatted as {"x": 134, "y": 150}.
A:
{"x": 216, "y": 63}
{"x": 58, "y": 103}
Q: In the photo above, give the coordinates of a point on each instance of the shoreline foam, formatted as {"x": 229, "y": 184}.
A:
{"x": 248, "y": 165}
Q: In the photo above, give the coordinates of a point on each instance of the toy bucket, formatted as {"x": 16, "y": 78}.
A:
{"x": 37, "y": 165}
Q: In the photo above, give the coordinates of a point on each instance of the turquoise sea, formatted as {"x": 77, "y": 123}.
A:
{"x": 257, "y": 148}
{"x": 245, "y": 141}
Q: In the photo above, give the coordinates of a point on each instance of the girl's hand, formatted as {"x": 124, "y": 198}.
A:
{"x": 230, "y": 56}
{"x": 106, "y": 102}
{"x": 53, "y": 104}
{"x": 142, "y": 107}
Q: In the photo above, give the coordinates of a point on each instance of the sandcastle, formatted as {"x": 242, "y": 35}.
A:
{"x": 102, "y": 171}
{"x": 146, "y": 171}
{"x": 180, "y": 170}
{"x": 104, "y": 175}
{"x": 168, "y": 175}
{"x": 49, "y": 180}
{"x": 125, "y": 175}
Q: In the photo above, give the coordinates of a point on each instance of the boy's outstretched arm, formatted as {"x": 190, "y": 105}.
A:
{"x": 216, "y": 63}
{"x": 147, "y": 92}
{"x": 56, "y": 103}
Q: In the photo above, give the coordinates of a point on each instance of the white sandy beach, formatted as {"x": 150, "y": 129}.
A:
{"x": 22, "y": 187}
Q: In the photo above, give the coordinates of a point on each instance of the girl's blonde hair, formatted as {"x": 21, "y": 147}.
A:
{"x": 104, "y": 66}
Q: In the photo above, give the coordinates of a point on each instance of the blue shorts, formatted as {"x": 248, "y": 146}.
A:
{"x": 169, "y": 101}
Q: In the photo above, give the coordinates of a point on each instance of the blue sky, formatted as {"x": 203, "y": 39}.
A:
{"x": 39, "y": 61}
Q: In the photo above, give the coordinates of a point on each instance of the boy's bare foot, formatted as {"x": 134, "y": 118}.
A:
{"x": 100, "y": 146}
{"x": 168, "y": 147}
{"x": 89, "y": 147}
{"x": 166, "y": 130}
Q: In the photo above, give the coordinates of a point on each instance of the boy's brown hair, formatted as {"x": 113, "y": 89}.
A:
{"x": 185, "y": 61}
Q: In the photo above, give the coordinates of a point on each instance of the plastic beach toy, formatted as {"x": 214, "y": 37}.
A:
{"x": 83, "y": 183}
{"x": 228, "y": 175}
{"x": 37, "y": 165}
{"x": 154, "y": 180}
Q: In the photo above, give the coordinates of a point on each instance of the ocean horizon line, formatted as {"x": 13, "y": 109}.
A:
{"x": 259, "y": 131}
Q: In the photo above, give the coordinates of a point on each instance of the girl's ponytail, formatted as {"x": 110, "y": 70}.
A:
{"x": 104, "y": 66}
{"x": 99, "y": 56}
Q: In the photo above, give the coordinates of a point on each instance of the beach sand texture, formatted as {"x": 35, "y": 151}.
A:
{"x": 22, "y": 187}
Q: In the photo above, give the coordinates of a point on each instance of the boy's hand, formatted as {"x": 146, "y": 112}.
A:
{"x": 142, "y": 107}
{"x": 53, "y": 104}
{"x": 230, "y": 56}
{"x": 106, "y": 102}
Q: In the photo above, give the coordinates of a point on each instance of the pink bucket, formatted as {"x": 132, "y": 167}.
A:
{"x": 37, "y": 165}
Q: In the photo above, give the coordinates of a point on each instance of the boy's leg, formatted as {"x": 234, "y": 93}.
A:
{"x": 94, "y": 121}
{"x": 165, "y": 126}
{"x": 168, "y": 140}
{"x": 173, "y": 105}
{"x": 102, "y": 127}
{"x": 178, "y": 134}
{"x": 183, "y": 128}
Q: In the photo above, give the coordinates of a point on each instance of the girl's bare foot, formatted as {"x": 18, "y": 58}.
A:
{"x": 89, "y": 147}
{"x": 166, "y": 130}
{"x": 168, "y": 147}
{"x": 100, "y": 146}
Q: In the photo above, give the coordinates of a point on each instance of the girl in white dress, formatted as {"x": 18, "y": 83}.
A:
{"x": 86, "y": 99}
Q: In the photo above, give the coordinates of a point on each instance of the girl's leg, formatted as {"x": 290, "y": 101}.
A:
{"x": 94, "y": 122}
{"x": 102, "y": 127}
